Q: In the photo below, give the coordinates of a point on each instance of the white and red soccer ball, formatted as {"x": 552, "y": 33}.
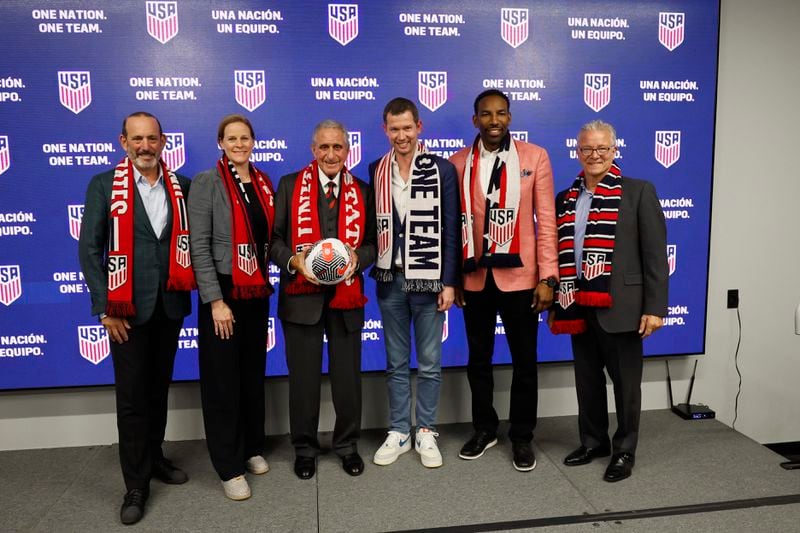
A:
{"x": 329, "y": 261}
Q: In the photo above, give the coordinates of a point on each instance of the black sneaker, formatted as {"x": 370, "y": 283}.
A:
{"x": 133, "y": 506}
{"x": 477, "y": 445}
{"x": 524, "y": 459}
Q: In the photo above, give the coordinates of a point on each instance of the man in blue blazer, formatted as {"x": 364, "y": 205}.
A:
{"x": 134, "y": 254}
{"x": 417, "y": 270}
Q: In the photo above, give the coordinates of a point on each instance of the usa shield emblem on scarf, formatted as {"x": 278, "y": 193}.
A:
{"x": 464, "y": 230}
{"x": 383, "y": 234}
{"x": 343, "y": 22}
{"x": 117, "y": 271}
{"x": 74, "y": 89}
{"x": 75, "y": 216}
{"x": 668, "y": 147}
{"x": 5, "y": 154}
{"x": 250, "y": 87}
{"x": 246, "y": 258}
{"x": 93, "y": 343}
{"x": 596, "y": 91}
{"x": 672, "y": 257}
{"x": 271, "y": 334}
{"x": 174, "y": 153}
{"x": 514, "y": 26}
{"x": 354, "y": 155}
{"x": 182, "y": 256}
{"x": 10, "y": 284}
{"x": 162, "y": 20}
{"x": 432, "y": 89}
{"x": 501, "y": 225}
{"x": 594, "y": 265}
{"x": 670, "y": 29}
{"x": 446, "y": 326}
{"x": 566, "y": 294}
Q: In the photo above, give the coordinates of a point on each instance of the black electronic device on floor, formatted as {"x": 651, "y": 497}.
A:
{"x": 687, "y": 410}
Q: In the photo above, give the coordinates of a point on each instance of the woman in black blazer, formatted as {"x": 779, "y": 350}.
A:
{"x": 231, "y": 213}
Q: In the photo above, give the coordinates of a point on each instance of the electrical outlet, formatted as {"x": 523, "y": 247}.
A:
{"x": 733, "y": 298}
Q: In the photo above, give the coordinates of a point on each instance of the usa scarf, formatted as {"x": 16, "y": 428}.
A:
{"x": 500, "y": 236}
{"x": 352, "y": 219}
{"x": 120, "y": 239}
{"x": 423, "y": 263}
{"x": 591, "y": 290}
{"x": 248, "y": 279}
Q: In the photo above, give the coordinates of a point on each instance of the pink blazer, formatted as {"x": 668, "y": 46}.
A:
{"x": 539, "y": 244}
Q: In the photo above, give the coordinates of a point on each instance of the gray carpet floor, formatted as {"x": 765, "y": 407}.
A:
{"x": 679, "y": 463}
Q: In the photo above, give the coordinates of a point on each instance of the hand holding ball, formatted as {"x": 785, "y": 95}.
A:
{"x": 329, "y": 261}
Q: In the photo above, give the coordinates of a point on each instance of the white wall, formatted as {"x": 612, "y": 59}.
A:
{"x": 753, "y": 249}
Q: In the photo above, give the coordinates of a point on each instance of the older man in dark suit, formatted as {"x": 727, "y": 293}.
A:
{"x": 323, "y": 200}
{"x": 134, "y": 252}
{"x": 612, "y": 293}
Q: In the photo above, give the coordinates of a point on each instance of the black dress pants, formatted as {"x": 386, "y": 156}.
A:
{"x": 232, "y": 382}
{"x": 521, "y": 329}
{"x": 142, "y": 373}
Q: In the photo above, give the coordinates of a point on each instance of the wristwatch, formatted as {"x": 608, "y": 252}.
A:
{"x": 550, "y": 282}
{"x": 101, "y": 316}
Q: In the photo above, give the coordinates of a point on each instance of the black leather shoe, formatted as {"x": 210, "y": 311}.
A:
{"x": 620, "y": 468}
{"x": 584, "y": 455}
{"x": 133, "y": 506}
{"x": 353, "y": 464}
{"x": 524, "y": 460}
{"x": 305, "y": 467}
{"x": 166, "y": 472}
{"x": 477, "y": 445}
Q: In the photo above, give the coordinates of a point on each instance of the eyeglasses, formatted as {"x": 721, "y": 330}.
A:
{"x": 603, "y": 150}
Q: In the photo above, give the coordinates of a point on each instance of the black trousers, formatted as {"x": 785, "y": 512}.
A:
{"x": 304, "y": 357}
{"x": 521, "y": 328}
{"x": 142, "y": 374}
{"x": 621, "y": 355}
{"x": 232, "y": 382}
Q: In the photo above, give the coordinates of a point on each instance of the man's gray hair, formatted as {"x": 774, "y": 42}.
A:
{"x": 330, "y": 124}
{"x": 599, "y": 125}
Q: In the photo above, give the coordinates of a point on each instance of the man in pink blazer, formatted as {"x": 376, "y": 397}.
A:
{"x": 510, "y": 267}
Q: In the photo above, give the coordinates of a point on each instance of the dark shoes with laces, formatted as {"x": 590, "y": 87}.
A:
{"x": 133, "y": 506}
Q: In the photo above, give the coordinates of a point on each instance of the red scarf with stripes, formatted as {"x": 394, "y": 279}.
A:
{"x": 592, "y": 288}
{"x": 120, "y": 239}
{"x": 248, "y": 279}
{"x": 351, "y": 224}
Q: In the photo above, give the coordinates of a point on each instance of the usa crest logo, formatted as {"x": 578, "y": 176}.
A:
{"x": 464, "y": 231}
{"x": 5, "y": 154}
{"x": 668, "y": 147}
{"x": 566, "y": 294}
{"x": 10, "y": 284}
{"x": 594, "y": 265}
{"x": 672, "y": 257}
{"x": 596, "y": 91}
{"x": 670, "y": 29}
{"x": 117, "y": 271}
{"x": 383, "y": 234}
{"x": 446, "y": 326}
{"x": 514, "y": 26}
{"x": 174, "y": 153}
{"x": 432, "y": 89}
{"x": 182, "y": 256}
{"x": 343, "y": 22}
{"x": 271, "y": 334}
{"x": 162, "y": 20}
{"x": 75, "y": 216}
{"x": 501, "y": 225}
{"x": 354, "y": 155}
{"x": 74, "y": 89}
{"x": 250, "y": 87}
{"x": 519, "y": 135}
{"x": 93, "y": 343}
{"x": 246, "y": 258}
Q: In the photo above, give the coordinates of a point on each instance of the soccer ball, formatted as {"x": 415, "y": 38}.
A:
{"x": 328, "y": 260}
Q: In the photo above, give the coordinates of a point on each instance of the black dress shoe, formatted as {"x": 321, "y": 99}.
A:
{"x": 477, "y": 445}
{"x": 620, "y": 468}
{"x": 584, "y": 455}
{"x": 305, "y": 467}
{"x": 353, "y": 464}
{"x": 524, "y": 460}
{"x": 166, "y": 472}
{"x": 133, "y": 506}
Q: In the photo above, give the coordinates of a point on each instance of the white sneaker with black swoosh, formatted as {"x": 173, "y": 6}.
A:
{"x": 395, "y": 445}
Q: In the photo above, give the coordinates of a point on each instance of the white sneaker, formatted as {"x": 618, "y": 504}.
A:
{"x": 395, "y": 445}
{"x": 257, "y": 465}
{"x": 426, "y": 447}
{"x": 236, "y": 488}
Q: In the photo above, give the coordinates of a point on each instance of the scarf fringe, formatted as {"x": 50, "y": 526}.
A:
{"x": 250, "y": 292}
{"x": 571, "y": 327}
{"x": 593, "y": 299}
{"x": 423, "y": 285}
{"x": 120, "y": 309}
{"x": 500, "y": 261}
{"x": 383, "y": 275}
{"x": 178, "y": 284}
{"x": 301, "y": 285}
{"x": 353, "y": 301}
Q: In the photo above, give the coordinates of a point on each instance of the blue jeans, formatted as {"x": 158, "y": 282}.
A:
{"x": 398, "y": 309}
